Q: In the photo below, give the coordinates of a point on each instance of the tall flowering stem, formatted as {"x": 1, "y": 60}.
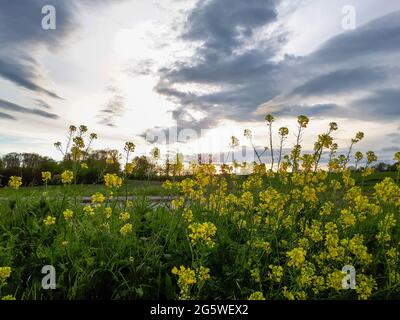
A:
{"x": 270, "y": 119}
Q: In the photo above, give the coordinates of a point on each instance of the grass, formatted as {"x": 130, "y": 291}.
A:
{"x": 153, "y": 188}
{"x": 134, "y": 188}
{"x": 224, "y": 238}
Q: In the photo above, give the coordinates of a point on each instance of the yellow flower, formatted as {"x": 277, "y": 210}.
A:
{"x": 202, "y": 232}
{"x": 8, "y": 298}
{"x": 347, "y": 219}
{"x": 46, "y": 176}
{"x": 365, "y": 286}
{"x": 129, "y": 167}
{"x": 84, "y": 165}
{"x": 5, "y": 273}
{"x": 187, "y": 215}
{"x": 126, "y": 229}
{"x": 98, "y": 198}
{"x": 68, "y": 214}
{"x": 88, "y": 210}
{"x": 67, "y": 177}
{"x": 186, "y": 279}
{"x": 125, "y": 216}
{"x": 110, "y": 160}
{"x": 108, "y": 212}
{"x": 297, "y": 256}
{"x": 257, "y": 296}
{"x": 203, "y": 273}
{"x": 112, "y": 181}
{"x": 50, "y": 220}
{"x": 15, "y": 182}
{"x": 276, "y": 273}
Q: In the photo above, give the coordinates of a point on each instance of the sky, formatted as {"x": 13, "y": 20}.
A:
{"x": 186, "y": 75}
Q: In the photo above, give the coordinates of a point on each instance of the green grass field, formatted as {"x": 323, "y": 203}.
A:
{"x": 152, "y": 188}
{"x": 134, "y": 188}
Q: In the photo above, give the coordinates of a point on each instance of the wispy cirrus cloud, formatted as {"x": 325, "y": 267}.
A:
{"x": 113, "y": 109}
{"x": 12, "y": 107}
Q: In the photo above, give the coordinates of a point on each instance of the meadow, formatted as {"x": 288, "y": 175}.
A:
{"x": 289, "y": 233}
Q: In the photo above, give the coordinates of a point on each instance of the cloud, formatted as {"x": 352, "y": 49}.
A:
{"x": 6, "y": 116}
{"x": 222, "y": 24}
{"x": 22, "y": 37}
{"x": 382, "y": 104}
{"x": 141, "y": 68}
{"x": 237, "y": 68}
{"x": 342, "y": 81}
{"x": 23, "y": 74}
{"x": 114, "y": 108}
{"x": 42, "y": 104}
{"x": 233, "y": 74}
{"x": 377, "y": 38}
{"x": 356, "y": 72}
{"x": 9, "y": 106}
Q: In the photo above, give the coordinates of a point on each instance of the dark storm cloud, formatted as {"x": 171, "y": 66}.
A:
{"x": 9, "y": 106}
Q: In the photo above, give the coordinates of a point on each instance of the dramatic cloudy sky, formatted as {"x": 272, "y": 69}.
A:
{"x": 130, "y": 69}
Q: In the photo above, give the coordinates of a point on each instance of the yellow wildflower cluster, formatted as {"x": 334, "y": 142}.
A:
{"x": 257, "y": 296}
{"x": 188, "y": 277}
{"x": 297, "y": 256}
{"x": 88, "y": 210}
{"x": 124, "y": 216}
{"x": 5, "y": 273}
{"x": 112, "y": 181}
{"x": 126, "y": 229}
{"x": 49, "y": 220}
{"x": 68, "y": 214}
{"x": 46, "y": 176}
{"x": 67, "y": 177}
{"x": 15, "y": 182}
{"x": 202, "y": 233}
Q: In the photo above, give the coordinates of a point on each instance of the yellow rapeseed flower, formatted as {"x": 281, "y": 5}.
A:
{"x": 124, "y": 216}
{"x": 46, "y": 176}
{"x": 126, "y": 229}
{"x": 202, "y": 232}
{"x": 49, "y": 220}
{"x": 5, "y": 273}
{"x": 257, "y": 296}
{"x": 15, "y": 182}
{"x": 68, "y": 214}
{"x": 67, "y": 177}
{"x": 98, "y": 198}
{"x": 112, "y": 181}
{"x": 297, "y": 257}
{"x": 88, "y": 210}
